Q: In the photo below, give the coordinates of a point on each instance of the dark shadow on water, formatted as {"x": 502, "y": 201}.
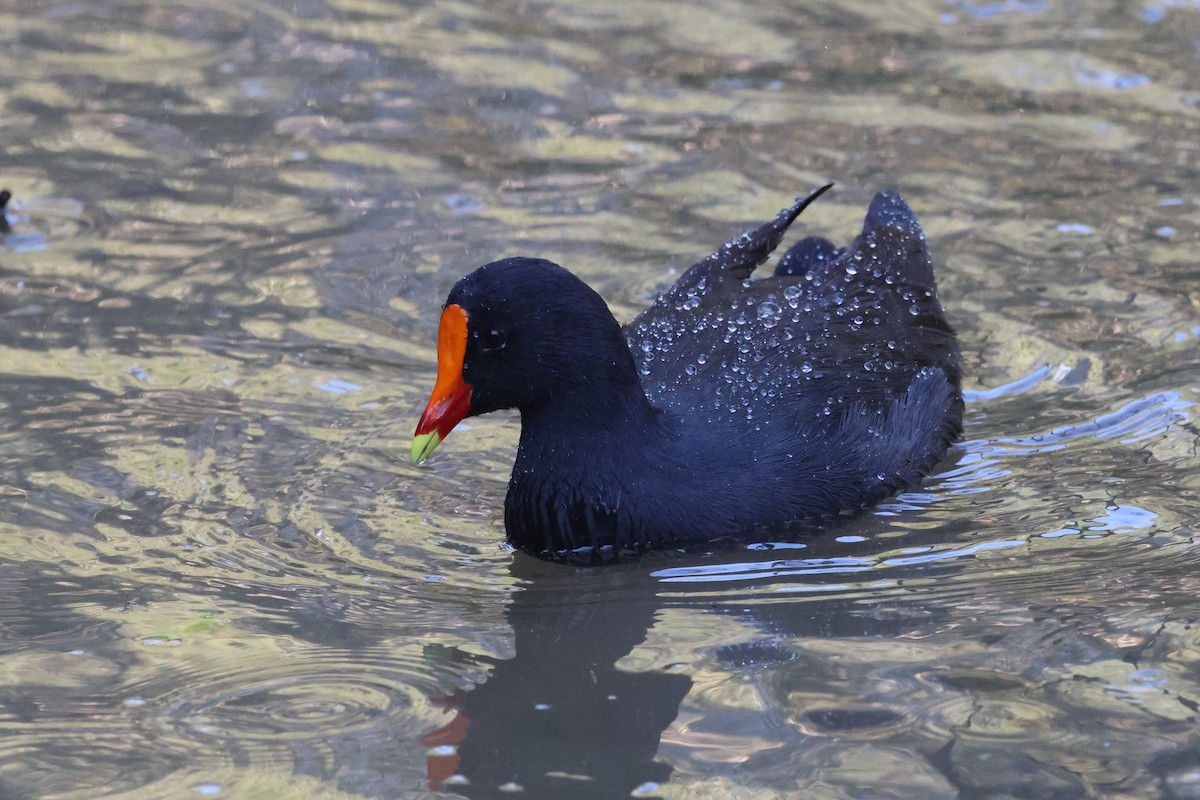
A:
{"x": 5, "y": 194}
{"x": 560, "y": 719}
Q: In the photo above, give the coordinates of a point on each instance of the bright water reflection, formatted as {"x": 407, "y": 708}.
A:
{"x": 231, "y": 231}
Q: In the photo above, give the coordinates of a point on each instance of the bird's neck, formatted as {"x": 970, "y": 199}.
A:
{"x": 572, "y": 483}
{"x": 602, "y": 403}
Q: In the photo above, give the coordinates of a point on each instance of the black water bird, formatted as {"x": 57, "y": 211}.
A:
{"x": 728, "y": 407}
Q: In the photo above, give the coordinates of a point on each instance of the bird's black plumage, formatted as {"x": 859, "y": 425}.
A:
{"x": 729, "y": 406}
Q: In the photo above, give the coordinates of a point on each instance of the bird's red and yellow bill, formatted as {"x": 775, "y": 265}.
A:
{"x": 451, "y": 398}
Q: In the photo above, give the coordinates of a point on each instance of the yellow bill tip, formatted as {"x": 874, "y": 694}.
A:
{"x": 424, "y": 444}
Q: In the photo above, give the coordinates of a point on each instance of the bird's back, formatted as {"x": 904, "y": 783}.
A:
{"x": 846, "y": 369}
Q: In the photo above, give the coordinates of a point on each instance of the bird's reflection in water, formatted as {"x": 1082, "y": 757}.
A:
{"x": 560, "y": 719}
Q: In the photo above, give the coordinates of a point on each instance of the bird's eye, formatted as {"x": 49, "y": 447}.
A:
{"x": 493, "y": 340}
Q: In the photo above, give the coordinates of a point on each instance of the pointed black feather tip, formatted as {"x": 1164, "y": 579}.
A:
{"x": 5, "y": 196}
{"x": 741, "y": 255}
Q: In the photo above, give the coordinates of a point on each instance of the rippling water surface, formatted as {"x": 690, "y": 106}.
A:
{"x": 232, "y": 228}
